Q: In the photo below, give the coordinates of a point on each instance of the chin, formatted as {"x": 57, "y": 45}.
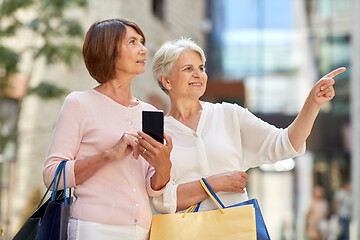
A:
{"x": 140, "y": 72}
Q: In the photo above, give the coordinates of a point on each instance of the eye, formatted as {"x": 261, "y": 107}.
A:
{"x": 189, "y": 68}
{"x": 202, "y": 68}
{"x": 132, "y": 42}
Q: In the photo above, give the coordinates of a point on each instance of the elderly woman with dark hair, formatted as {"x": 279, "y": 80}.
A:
{"x": 98, "y": 134}
{"x": 220, "y": 141}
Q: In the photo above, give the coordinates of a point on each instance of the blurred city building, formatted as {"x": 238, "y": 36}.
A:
{"x": 262, "y": 54}
{"x": 355, "y": 119}
{"x": 279, "y": 49}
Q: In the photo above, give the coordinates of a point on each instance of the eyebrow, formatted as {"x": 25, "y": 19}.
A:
{"x": 189, "y": 64}
{"x": 135, "y": 38}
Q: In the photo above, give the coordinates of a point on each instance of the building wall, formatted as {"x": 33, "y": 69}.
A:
{"x": 355, "y": 120}
{"x": 182, "y": 18}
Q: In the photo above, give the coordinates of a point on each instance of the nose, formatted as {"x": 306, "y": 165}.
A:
{"x": 196, "y": 73}
{"x": 143, "y": 49}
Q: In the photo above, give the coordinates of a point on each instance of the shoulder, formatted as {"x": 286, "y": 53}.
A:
{"x": 79, "y": 95}
{"x": 80, "y": 99}
{"x": 224, "y": 107}
{"x": 147, "y": 106}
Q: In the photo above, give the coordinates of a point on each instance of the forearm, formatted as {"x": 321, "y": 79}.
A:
{"x": 158, "y": 182}
{"x": 160, "y": 178}
{"x": 192, "y": 193}
{"x": 322, "y": 92}
{"x": 301, "y": 127}
{"x": 86, "y": 168}
{"x": 189, "y": 194}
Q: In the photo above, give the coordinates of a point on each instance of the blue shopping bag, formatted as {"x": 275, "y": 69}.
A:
{"x": 49, "y": 221}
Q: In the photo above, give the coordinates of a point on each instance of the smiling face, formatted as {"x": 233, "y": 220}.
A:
{"x": 132, "y": 54}
{"x": 188, "y": 78}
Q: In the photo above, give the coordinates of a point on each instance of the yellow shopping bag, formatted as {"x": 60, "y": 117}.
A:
{"x": 230, "y": 223}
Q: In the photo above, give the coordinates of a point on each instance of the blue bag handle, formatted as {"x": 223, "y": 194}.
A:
{"x": 60, "y": 168}
{"x": 196, "y": 209}
{"x": 213, "y": 193}
{"x": 55, "y": 185}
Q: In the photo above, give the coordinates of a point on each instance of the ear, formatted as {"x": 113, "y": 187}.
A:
{"x": 165, "y": 82}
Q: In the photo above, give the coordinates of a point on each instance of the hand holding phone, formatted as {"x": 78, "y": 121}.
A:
{"x": 153, "y": 124}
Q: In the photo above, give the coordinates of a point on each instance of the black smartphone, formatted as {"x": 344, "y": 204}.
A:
{"x": 153, "y": 124}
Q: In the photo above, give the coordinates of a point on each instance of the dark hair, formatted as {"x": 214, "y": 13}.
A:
{"x": 100, "y": 48}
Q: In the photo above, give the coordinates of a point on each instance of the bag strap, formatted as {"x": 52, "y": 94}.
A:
{"x": 212, "y": 195}
{"x": 59, "y": 170}
{"x": 66, "y": 200}
{"x": 62, "y": 170}
{"x": 53, "y": 182}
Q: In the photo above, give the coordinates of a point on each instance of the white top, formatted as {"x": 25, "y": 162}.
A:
{"x": 228, "y": 138}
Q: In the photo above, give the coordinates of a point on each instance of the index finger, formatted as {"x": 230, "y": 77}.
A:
{"x": 245, "y": 175}
{"x": 168, "y": 140}
{"x": 148, "y": 138}
{"x": 335, "y": 72}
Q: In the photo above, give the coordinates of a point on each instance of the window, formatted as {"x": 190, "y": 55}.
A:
{"x": 158, "y": 8}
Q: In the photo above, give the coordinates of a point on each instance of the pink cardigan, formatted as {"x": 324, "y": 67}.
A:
{"x": 90, "y": 123}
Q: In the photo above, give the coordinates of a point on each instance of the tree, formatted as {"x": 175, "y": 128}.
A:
{"x": 55, "y": 38}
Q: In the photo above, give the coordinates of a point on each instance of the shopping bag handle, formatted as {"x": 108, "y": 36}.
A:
{"x": 212, "y": 195}
{"x": 55, "y": 183}
{"x": 58, "y": 171}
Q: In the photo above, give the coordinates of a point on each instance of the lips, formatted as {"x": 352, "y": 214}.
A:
{"x": 195, "y": 84}
{"x": 141, "y": 61}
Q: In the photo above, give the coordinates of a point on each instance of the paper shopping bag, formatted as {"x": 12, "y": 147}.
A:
{"x": 262, "y": 232}
{"x": 234, "y": 223}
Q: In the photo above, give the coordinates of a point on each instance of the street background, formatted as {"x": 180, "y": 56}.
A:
{"x": 262, "y": 54}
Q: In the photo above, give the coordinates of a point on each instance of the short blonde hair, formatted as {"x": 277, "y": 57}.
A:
{"x": 168, "y": 54}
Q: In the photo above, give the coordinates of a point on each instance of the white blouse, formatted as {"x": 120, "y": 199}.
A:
{"x": 228, "y": 138}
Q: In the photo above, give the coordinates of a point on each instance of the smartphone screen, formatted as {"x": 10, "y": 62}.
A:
{"x": 153, "y": 124}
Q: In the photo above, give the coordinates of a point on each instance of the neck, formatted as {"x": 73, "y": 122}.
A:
{"x": 118, "y": 91}
{"x": 187, "y": 112}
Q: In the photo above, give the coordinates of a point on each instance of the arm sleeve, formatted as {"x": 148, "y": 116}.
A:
{"x": 151, "y": 192}
{"x": 263, "y": 142}
{"x": 65, "y": 142}
{"x": 166, "y": 202}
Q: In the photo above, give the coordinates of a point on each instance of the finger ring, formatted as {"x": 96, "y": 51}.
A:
{"x": 144, "y": 151}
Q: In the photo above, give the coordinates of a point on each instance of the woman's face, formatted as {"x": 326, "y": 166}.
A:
{"x": 132, "y": 54}
{"x": 188, "y": 77}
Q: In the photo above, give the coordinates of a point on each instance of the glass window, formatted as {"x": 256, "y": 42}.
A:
{"x": 158, "y": 8}
{"x": 254, "y": 41}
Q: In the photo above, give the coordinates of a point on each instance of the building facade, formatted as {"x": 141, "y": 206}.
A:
{"x": 280, "y": 49}
{"x": 160, "y": 20}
